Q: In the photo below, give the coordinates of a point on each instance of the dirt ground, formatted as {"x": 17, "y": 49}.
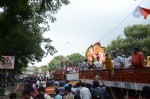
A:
{"x": 10, "y": 89}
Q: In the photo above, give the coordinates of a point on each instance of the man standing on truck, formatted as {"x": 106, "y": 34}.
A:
{"x": 137, "y": 58}
{"x": 127, "y": 60}
{"x": 118, "y": 61}
{"x": 85, "y": 65}
{"x": 80, "y": 65}
{"x": 108, "y": 62}
{"x": 98, "y": 64}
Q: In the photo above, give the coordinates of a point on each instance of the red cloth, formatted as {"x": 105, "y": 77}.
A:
{"x": 138, "y": 60}
{"x": 145, "y": 12}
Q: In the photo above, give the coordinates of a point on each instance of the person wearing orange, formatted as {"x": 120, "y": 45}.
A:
{"x": 50, "y": 90}
{"x": 137, "y": 58}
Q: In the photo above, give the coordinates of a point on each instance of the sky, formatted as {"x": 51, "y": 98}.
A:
{"x": 85, "y": 22}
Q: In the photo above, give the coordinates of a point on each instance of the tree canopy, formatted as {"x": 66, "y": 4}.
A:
{"x": 23, "y": 23}
{"x": 60, "y": 60}
{"x": 135, "y": 36}
{"x": 56, "y": 62}
{"x": 75, "y": 58}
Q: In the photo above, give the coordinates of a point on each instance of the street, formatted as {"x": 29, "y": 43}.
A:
{"x": 9, "y": 89}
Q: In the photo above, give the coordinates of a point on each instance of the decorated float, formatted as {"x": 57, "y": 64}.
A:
{"x": 124, "y": 82}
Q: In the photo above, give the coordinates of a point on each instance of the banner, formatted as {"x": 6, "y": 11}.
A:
{"x": 72, "y": 76}
{"x": 7, "y": 62}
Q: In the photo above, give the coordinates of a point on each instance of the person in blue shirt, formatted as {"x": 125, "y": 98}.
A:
{"x": 58, "y": 96}
{"x": 67, "y": 83}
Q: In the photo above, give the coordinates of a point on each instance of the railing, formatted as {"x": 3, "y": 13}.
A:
{"x": 141, "y": 75}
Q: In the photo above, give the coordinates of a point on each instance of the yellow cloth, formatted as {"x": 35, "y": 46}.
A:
{"x": 108, "y": 63}
{"x": 148, "y": 61}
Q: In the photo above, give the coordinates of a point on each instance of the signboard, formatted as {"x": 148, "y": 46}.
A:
{"x": 7, "y": 62}
{"x": 72, "y": 76}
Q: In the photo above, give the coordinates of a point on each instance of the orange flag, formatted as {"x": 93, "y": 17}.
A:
{"x": 145, "y": 12}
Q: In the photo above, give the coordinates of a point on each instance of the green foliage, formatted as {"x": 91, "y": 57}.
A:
{"x": 36, "y": 69}
{"x": 56, "y": 62}
{"x": 23, "y": 23}
{"x": 136, "y": 35}
{"x": 44, "y": 68}
{"x": 116, "y": 45}
{"x": 60, "y": 60}
{"x": 75, "y": 58}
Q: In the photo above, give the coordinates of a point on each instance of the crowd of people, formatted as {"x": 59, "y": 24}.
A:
{"x": 44, "y": 88}
{"x": 136, "y": 60}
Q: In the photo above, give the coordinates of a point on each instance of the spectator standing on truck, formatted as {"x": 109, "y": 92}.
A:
{"x": 99, "y": 64}
{"x": 108, "y": 62}
{"x": 85, "y": 65}
{"x": 118, "y": 61}
{"x": 80, "y": 65}
{"x": 91, "y": 65}
{"x": 127, "y": 60}
{"x": 137, "y": 58}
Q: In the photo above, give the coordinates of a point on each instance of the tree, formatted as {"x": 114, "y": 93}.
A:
{"x": 23, "y": 23}
{"x": 116, "y": 45}
{"x": 44, "y": 68}
{"x": 55, "y": 63}
{"x": 75, "y": 58}
{"x": 136, "y": 35}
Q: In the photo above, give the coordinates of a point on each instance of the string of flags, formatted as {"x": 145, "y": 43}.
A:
{"x": 140, "y": 11}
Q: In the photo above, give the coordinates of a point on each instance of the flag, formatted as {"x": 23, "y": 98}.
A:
{"x": 137, "y": 12}
{"x": 145, "y": 12}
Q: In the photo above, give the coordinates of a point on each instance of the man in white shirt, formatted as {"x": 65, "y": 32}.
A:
{"x": 127, "y": 60}
{"x": 98, "y": 64}
{"x": 118, "y": 61}
{"x": 85, "y": 92}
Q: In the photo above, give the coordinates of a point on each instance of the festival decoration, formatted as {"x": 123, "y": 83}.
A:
{"x": 89, "y": 53}
{"x": 99, "y": 51}
{"x": 139, "y": 11}
{"x": 145, "y": 12}
{"x": 95, "y": 51}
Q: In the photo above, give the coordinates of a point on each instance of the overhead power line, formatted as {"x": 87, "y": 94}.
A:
{"x": 119, "y": 23}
